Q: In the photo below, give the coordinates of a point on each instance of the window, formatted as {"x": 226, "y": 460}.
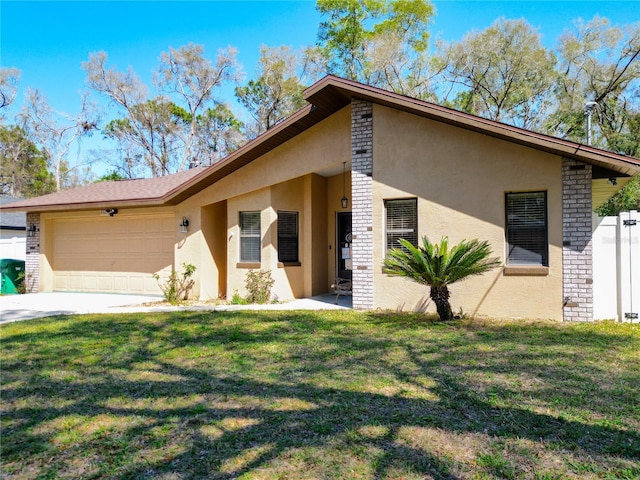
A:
{"x": 402, "y": 221}
{"x": 527, "y": 242}
{"x": 250, "y": 240}
{"x": 287, "y": 237}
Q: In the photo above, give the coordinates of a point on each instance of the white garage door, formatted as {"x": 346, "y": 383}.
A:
{"x": 112, "y": 254}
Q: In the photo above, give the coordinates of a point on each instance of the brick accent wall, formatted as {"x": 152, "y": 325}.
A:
{"x": 362, "y": 203}
{"x": 577, "y": 260}
{"x": 32, "y": 262}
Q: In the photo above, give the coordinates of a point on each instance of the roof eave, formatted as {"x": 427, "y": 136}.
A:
{"x": 340, "y": 91}
{"x": 87, "y": 206}
{"x": 326, "y": 97}
{"x": 269, "y": 140}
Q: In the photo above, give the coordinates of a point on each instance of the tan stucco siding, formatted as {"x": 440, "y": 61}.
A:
{"x": 324, "y": 145}
{"x": 307, "y": 197}
{"x": 213, "y": 255}
{"x": 89, "y": 252}
{"x": 257, "y": 201}
{"x": 460, "y": 179}
{"x": 289, "y": 197}
{"x": 283, "y": 179}
{"x": 315, "y": 222}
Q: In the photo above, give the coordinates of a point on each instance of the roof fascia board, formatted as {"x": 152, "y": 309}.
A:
{"x": 174, "y": 197}
{"x": 88, "y": 206}
{"x": 566, "y": 148}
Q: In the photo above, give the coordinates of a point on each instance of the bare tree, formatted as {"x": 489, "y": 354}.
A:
{"x": 55, "y": 132}
{"x": 8, "y": 87}
{"x": 160, "y": 133}
{"x": 186, "y": 73}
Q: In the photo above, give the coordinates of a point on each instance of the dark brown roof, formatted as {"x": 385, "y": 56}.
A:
{"x": 325, "y": 97}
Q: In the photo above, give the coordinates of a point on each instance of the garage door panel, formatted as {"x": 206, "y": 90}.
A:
{"x": 107, "y": 254}
{"x": 106, "y": 284}
{"x": 137, "y": 245}
{"x": 128, "y": 282}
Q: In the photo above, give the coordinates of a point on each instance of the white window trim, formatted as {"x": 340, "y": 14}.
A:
{"x": 241, "y": 236}
{"x": 400, "y": 231}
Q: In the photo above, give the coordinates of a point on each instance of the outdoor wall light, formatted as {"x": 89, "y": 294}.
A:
{"x": 344, "y": 201}
{"x": 184, "y": 225}
{"x": 613, "y": 181}
{"x": 33, "y": 230}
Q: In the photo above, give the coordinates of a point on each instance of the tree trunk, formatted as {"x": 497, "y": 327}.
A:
{"x": 440, "y": 296}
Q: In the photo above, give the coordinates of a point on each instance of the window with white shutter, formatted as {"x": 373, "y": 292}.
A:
{"x": 527, "y": 240}
{"x": 250, "y": 239}
{"x": 401, "y": 222}
{"x": 287, "y": 237}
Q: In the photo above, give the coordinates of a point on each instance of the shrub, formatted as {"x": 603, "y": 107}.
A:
{"x": 177, "y": 287}
{"x": 237, "y": 299}
{"x": 258, "y": 285}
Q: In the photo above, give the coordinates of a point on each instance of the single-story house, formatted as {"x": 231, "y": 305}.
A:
{"x": 13, "y": 231}
{"x": 326, "y": 192}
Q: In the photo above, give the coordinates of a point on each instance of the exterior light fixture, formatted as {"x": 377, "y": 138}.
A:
{"x": 613, "y": 181}
{"x": 184, "y": 225}
{"x": 344, "y": 201}
{"x": 33, "y": 230}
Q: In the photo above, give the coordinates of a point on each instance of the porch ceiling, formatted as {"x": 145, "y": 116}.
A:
{"x": 602, "y": 189}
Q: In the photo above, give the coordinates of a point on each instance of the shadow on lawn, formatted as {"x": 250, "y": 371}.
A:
{"x": 286, "y": 414}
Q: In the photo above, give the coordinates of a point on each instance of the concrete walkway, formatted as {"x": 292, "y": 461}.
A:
{"x": 15, "y": 308}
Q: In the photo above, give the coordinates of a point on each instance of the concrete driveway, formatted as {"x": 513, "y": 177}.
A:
{"x": 37, "y": 305}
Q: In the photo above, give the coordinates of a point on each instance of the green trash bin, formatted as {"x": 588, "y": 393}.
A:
{"x": 12, "y": 272}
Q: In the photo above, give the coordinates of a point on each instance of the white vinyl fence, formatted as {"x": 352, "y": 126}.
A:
{"x": 616, "y": 267}
{"x": 14, "y": 248}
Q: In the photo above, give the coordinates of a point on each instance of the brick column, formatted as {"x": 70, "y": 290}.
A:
{"x": 32, "y": 263}
{"x": 362, "y": 204}
{"x": 577, "y": 261}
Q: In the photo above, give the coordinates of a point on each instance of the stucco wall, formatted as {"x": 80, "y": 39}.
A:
{"x": 282, "y": 179}
{"x": 316, "y": 254}
{"x": 324, "y": 145}
{"x": 213, "y": 255}
{"x": 460, "y": 179}
{"x": 306, "y": 195}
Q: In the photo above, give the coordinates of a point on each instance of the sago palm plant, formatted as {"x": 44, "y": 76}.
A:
{"x": 437, "y": 266}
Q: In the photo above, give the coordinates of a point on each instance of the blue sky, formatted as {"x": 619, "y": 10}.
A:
{"x": 48, "y": 40}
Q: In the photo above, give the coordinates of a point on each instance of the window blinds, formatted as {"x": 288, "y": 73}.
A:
{"x": 402, "y": 222}
{"x": 250, "y": 240}
{"x": 527, "y": 228}
{"x": 287, "y": 236}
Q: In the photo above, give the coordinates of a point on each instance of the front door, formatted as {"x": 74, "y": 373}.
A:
{"x": 344, "y": 245}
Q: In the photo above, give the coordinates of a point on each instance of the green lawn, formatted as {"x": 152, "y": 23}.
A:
{"x": 341, "y": 395}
